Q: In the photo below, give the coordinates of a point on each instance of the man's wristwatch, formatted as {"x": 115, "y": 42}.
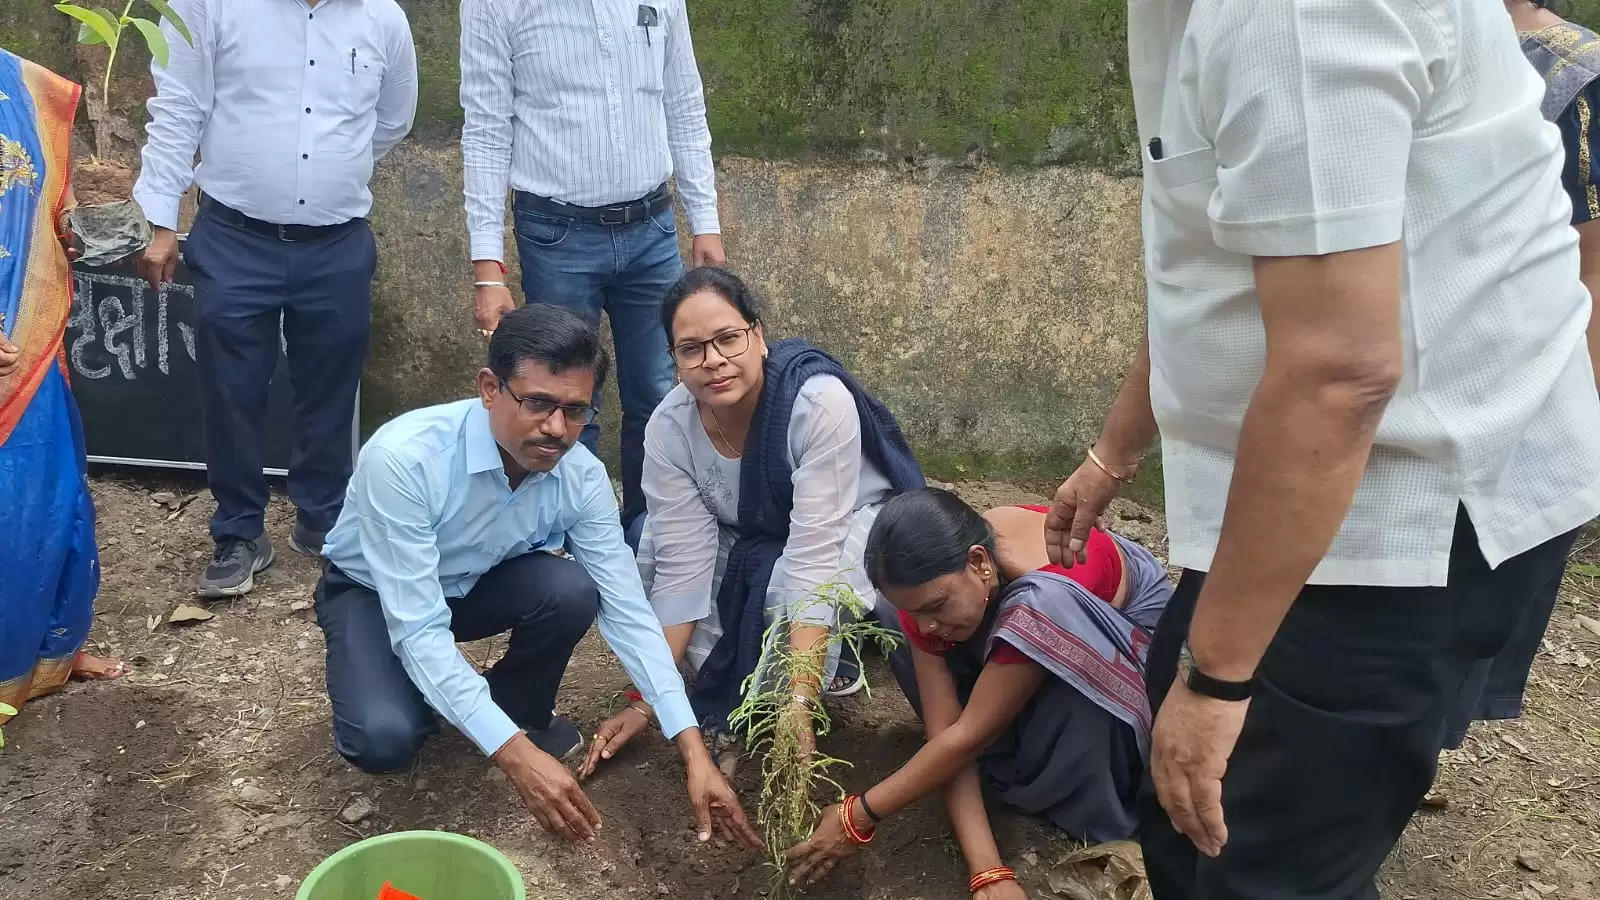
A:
{"x": 1205, "y": 685}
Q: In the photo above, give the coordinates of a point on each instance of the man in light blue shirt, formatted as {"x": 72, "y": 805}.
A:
{"x": 289, "y": 103}
{"x": 443, "y": 537}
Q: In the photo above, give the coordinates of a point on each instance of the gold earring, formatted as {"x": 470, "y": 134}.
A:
{"x": 987, "y": 573}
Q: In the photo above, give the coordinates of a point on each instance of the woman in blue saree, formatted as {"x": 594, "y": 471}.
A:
{"x": 49, "y": 567}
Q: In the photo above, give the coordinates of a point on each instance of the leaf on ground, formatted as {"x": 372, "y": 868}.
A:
{"x": 150, "y": 622}
{"x": 1590, "y": 625}
{"x": 1110, "y": 871}
{"x": 187, "y": 612}
{"x": 298, "y": 605}
{"x": 1587, "y": 570}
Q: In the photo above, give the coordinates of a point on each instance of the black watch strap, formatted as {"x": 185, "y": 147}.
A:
{"x": 1216, "y": 688}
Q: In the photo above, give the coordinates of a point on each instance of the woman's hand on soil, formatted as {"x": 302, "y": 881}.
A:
{"x": 548, "y": 789}
{"x": 714, "y": 801}
{"x": 1078, "y": 504}
{"x": 1001, "y": 890}
{"x": 812, "y": 859}
{"x": 612, "y": 735}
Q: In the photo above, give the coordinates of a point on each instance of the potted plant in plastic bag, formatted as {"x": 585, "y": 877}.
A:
{"x": 108, "y": 223}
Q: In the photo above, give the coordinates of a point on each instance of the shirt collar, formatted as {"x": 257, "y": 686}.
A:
{"x": 483, "y": 452}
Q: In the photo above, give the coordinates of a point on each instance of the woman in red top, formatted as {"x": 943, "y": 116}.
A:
{"x": 1027, "y": 675}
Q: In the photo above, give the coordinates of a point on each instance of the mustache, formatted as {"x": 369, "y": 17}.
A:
{"x": 546, "y": 444}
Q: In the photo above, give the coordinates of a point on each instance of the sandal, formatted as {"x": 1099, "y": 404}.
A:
{"x": 842, "y": 686}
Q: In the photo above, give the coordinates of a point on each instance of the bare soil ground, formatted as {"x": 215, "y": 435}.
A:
{"x": 208, "y": 772}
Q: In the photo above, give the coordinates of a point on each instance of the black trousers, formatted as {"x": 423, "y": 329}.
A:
{"x": 380, "y": 719}
{"x": 1343, "y": 733}
{"x": 321, "y": 290}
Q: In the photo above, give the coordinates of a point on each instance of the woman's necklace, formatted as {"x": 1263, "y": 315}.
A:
{"x": 733, "y": 452}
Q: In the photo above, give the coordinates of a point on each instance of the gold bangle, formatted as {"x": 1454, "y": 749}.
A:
{"x": 1100, "y": 464}
{"x": 640, "y": 712}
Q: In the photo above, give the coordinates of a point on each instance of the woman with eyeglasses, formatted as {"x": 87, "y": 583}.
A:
{"x": 763, "y": 471}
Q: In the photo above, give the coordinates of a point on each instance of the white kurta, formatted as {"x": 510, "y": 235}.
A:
{"x": 693, "y": 513}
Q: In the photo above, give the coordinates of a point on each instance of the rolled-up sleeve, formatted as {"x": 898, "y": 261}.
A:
{"x": 626, "y": 620}
{"x": 1312, "y": 111}
{"x": 398, "y": 546}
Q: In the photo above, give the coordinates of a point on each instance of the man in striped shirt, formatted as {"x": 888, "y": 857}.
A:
{"x": 585, "y": 108}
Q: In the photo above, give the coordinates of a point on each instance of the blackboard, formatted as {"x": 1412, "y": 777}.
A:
{"x": 130, "y": 350}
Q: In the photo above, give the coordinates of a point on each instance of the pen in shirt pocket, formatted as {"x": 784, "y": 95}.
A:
{"x": 352, "y": 60}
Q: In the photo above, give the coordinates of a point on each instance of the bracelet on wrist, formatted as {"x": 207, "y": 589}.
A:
{"x": 862, "y": 799}
{"x": 847, "y": 818}
{"x": 807, "y": 702}
{"x": 479, "y": 284}
{"x": 991, "y": 876}
{"x": 1118, "y": 476}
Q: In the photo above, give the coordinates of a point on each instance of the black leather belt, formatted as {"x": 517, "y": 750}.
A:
{"x": 291, "y": 234}
{"x": 615, "y": 214}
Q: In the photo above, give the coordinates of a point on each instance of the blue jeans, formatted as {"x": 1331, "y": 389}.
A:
{"x": 622, "y": 271}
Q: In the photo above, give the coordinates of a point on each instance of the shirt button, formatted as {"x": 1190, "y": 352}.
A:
{"x": 313, "y": 62}
{"x": 308, "y": 110}
{"x": 302, "y": 203}
{"x": 305, "y": 156}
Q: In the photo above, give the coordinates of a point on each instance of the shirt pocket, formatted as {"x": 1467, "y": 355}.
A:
{"x": 646, "y": 45}
{"x": 1181, "y": 249}
{"x": 360, "y": 80}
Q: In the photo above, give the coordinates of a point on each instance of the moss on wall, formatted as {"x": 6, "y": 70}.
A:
{"x": 1013, "y": 81}
{"x": 33, "y": 30}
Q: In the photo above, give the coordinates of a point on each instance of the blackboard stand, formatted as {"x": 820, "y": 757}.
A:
{"x": 130, "y": 353}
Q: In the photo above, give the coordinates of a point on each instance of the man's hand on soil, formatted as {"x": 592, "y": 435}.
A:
{"x": 711, "y": 796}
{"x": 549, "y": 790}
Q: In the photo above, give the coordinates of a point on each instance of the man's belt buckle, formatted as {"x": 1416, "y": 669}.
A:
{"x": 283, "y": 234}
{"x": 625, "y": 214}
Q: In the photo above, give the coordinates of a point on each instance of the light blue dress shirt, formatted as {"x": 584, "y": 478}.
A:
{"x": 289, "y": 105}
{"x": 429, "y": 511}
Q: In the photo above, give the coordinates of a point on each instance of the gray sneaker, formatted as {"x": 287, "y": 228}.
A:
{"x": 233, "y": 568}
{"x": 306, "y": 542}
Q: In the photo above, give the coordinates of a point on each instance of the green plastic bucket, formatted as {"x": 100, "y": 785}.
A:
{"x": 432, "y": 865}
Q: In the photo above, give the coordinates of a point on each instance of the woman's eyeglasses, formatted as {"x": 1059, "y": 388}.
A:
{"x": 729, "y": 344}
{"x": 542, "y": 408}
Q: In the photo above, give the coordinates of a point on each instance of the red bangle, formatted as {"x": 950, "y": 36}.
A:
{"x": 848, "y": 820}
{"x": 991, "y": 876}
{"x": 632, "y": 696}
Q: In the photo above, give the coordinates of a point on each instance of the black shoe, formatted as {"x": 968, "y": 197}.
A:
{"x": 233, "y": 568}
{"x": 560, "y": 738}
{"x": 306, "y": 542}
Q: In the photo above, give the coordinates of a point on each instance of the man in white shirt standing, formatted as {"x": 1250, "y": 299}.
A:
{"x": 289, "y": 102}
{"x": 585, "y": 108}
{"x": 1379, "y": 426}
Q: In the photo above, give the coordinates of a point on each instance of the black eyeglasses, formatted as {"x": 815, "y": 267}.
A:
{"x": 730, "y": 344}
{"x": 541, "y": 408}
